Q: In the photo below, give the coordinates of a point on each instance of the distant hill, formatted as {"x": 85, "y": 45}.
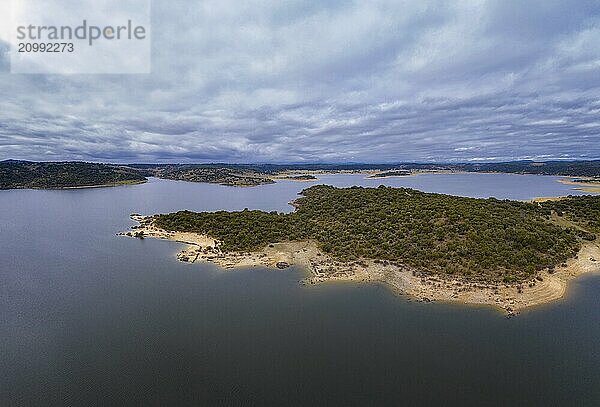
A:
{"x": 232, "y": 175}
{"x": 567, "y": 168}
{"x": 26, "y": 174}
{"x": 573, "y": 168}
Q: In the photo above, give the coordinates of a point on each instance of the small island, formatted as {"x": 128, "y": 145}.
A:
{"x": 393, "y": 173}
{"x": 299, "y": 178}
{"x": 508, "y": 254}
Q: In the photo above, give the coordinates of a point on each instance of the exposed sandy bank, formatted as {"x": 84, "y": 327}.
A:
{"x": 593, "y": 186}
{"x": 511, "y": 298}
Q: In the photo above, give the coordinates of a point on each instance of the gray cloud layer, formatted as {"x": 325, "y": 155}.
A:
{"x": 329, "y": 81}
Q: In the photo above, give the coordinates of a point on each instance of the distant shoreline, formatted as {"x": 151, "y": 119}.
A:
{"x": 67, "y": 175}
{"x": 111, "y": 185}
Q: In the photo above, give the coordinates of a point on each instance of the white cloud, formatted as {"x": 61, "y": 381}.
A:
{"x": 335, "y": 80}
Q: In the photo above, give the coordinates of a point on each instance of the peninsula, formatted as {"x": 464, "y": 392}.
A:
{"x": 585, "y": 184}
{"x": 508, "y": 254}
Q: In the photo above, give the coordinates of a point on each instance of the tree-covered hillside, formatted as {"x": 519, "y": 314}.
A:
{"x": 481, "y": 239}
{"x": 24, "y": 174}
{"x": 583, "y": 210}
{"x": 225, "y": 175}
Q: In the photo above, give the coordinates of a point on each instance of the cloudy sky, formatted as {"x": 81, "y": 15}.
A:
{"x": 328, "y": 81}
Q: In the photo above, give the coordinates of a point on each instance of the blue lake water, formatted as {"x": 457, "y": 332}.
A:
{"x": 90, "y": 318}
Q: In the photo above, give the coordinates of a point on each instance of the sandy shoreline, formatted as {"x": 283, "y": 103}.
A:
{"x": 509, "y": 298}
{"x": 592, "y": 187}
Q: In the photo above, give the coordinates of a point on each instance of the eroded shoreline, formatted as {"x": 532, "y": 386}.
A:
{"x": 547, "y": 286}
{"x": 590, "y": 186}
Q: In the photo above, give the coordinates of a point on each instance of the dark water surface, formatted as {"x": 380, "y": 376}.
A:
{"x": 89, "y": 318}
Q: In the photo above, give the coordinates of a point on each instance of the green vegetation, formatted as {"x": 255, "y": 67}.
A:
{"x": 582, "y": 210}
{"x": 566, "y": 168}
{"x": 303, "y": 177}
{"x": 224, "y": 175}
{"x": 392, "y": 173}
{"x": 480, "y": 239}
{"x": 25, "y": 174}
{"x": 588, "y": 181}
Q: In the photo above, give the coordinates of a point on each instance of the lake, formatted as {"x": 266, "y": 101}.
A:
{"x": 89, "y": 318}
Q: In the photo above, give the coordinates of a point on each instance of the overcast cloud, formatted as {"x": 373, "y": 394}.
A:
{"x": 363, "y": 81}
